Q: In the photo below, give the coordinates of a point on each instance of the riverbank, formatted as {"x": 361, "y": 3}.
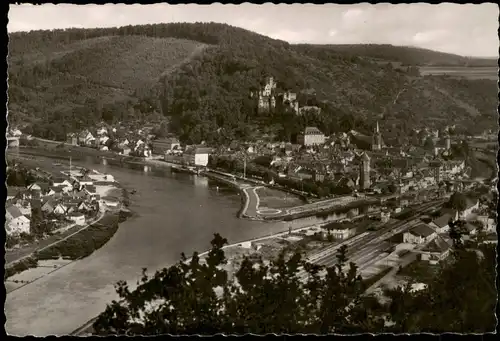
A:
{"x": 71, "y": 242}
{"x": 174, "y": 213}
{"x": 77, "y": 246}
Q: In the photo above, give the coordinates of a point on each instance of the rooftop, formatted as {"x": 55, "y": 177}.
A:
{"x": 13, "y": 191}
{"x": 422, "y": 230}
{"x": 312, "y": 131}
{"x": 438, "y": 245}
{"x": 443, "y": 220}
{"x": 14, "y": 211}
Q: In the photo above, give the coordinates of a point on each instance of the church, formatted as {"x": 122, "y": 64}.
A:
{"x": 377, "y": 139}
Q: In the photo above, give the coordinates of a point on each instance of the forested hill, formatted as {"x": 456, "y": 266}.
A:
{"x": 200, "y": 77}
{"x": 406, "y": 55}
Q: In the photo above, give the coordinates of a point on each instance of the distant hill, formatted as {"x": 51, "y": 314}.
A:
{"x": 407, "y": 56}
{"x": 199, "y": 76}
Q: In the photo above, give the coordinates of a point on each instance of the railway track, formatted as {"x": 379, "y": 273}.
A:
{"x": 364, "y": 249}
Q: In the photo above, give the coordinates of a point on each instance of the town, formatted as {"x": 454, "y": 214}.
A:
{"x": 404, "y": 197}
{"x": 43, "y": 203}
{"x": 217, "y": 170}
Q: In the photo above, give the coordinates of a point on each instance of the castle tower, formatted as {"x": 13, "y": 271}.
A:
{"x": 364, "y": 174}
{"x": 377, "y": 139}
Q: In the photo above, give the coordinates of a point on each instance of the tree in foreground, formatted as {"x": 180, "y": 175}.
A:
{"x": 199, "y": 297}
{"x": 289, "y": 295}
{"x": 458, "y": 201}
{"x": 460, "y": 298}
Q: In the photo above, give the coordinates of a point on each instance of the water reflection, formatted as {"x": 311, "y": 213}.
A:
{"x": 200, "y": 181}
{"x": 147, "y": 169}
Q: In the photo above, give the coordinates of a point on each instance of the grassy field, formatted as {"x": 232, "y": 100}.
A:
{"x": 272, "y": 198}
{"x": 84, "y": 243}
{"x": 461, "y": 72}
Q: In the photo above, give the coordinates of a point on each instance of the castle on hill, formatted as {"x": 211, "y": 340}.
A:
{"x": 268, "y": 97}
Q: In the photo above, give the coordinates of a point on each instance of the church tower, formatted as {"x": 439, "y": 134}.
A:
{"x": 377, "y": 139}
{"x": 364, "y": 174}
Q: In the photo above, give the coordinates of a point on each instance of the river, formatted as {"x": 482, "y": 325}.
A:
{"x": 175, "y": 213}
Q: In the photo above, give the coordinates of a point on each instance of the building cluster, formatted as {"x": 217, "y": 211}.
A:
{"x": 191, "y": 156}
{"x": 71, "y": 198}
{"x": 432, "y": 241}
{"x": 337, "y": 159}
{"x": 269, "y": 98}
{"x": 13, "y": 136}
{"x": 121, "y": 139}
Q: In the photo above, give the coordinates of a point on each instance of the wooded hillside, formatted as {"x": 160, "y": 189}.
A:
{"x": 200, "y": 77}
{"x": 406, "y": 55}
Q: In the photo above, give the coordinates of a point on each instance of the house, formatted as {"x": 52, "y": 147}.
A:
{"x": 61, "y": 182}
{"x": 250, "y": 149}
{"x": 49, "y": 205}
{"x": 435, "y": 251}
{"x": 101, "y": 131}
{"x": 77, "y": 217}
{"x": 40, "y": 187}
{"x": 124, "y": 150}
{"x": 15, "y": 132}
{"x": 18, "y": 225}
{"x": 197, "y": 156}
{"x": 24, "y": 207}
{"x": 419, "y": 234}
{"x": 60, "y": 209}
{"x": 81, "y": 194}
{"x": 123, "y": 143}
{"x": 71, "y": 204}
{"x": 342, "y": 233}
{"x": 50, "y": 192}
{"x": 311, "y": 136}
{"x": 103, "y": 140}
{"x": 471, "y": 229}
{"x": 162, "y": 145}
{"x": 84, "y": 206}
{"x": 138, "y": 143}
{"x": 86, "y": 138}
{"x": 12, "y": 212}
{"x": 90, "y": 191}
{"x": 488, "y": 223}
{"x": 72, "y": 139}
{"x": 319, "y": 175}
{"x": 441, "y": 224}
{"x": 86, "y": 181}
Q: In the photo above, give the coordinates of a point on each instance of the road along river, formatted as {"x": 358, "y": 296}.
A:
{"x": 174, "y": 213}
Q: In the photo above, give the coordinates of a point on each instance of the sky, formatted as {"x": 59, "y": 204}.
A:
{"x": 468, "y": 30}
